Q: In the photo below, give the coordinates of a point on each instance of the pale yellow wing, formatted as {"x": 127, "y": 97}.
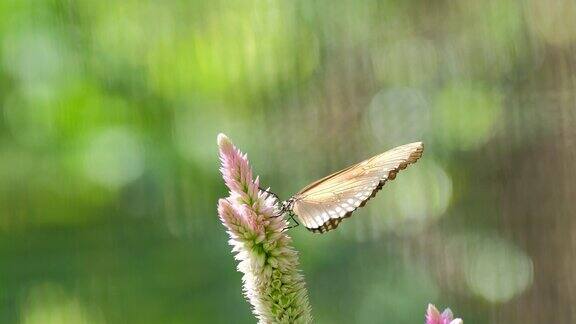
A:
{"x": 323, "y": 204}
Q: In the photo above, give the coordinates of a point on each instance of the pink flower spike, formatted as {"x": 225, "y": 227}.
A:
{"x": 433, "y": 316}
{"x": 272, "y": 282}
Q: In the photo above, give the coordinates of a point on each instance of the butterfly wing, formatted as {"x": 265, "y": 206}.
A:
{"x": 323, "y": 204}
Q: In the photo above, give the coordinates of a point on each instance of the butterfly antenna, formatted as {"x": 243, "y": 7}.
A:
{"x": 282, "y": 210}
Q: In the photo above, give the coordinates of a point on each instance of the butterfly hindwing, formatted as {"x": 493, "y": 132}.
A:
{"x": 322, "y": 205}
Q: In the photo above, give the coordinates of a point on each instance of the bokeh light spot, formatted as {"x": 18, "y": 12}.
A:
{"x": 193, "y": 127}
{"x": 114, "y": 158}
{"x": 398, "y": 115}
{"x": 49, "y": 304}
{"x": 35, "y": 58}
{"x": 496, "y": 269}
{"x": 424, "y": 193}
{"x": 465, "y": 115}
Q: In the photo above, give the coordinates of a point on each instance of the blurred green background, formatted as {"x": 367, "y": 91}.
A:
{"x": 109, "y": 171}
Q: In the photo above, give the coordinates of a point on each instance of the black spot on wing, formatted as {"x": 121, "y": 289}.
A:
{"x": 330, "y": 224}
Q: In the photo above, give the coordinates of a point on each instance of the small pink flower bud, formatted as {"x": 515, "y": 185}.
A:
{"x": 433, "y": 316}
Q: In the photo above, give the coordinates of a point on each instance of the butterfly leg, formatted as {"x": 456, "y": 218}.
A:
{"x": 294, "y": 220}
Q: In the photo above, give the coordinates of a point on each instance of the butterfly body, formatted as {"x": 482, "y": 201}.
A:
{"x": 322, "y": 205}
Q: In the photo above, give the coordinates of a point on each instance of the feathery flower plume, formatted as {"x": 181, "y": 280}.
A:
{"x": 433, "y": 316}
{"x": 272, "y": 282}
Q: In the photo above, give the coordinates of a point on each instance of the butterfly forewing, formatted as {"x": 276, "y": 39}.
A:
{"x": 323, "y": 204}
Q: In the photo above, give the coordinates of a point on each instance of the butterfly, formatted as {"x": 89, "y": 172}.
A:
{"x": 322, "y": 205}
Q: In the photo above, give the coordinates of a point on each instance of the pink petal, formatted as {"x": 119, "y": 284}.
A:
{"x": 446, "y": 316}
{"x": 432, "y": 315}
